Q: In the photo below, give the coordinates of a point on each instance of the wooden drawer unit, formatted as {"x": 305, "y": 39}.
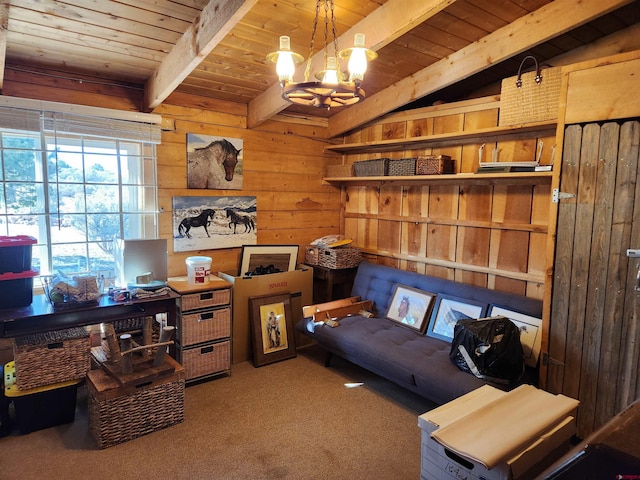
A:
{"x": 203, "y": 328}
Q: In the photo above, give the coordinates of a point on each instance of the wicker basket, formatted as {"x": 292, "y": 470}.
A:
{"x": 204, "y": 326}
{"x": 311, "y": 255}
{"x": 51, "y": 357}
{"x": 371, "y": 168}
{"x": 205, "y": 360}
{"x": 118, "y": 414}
{"x": 531, "y": 102}
{"x": 339, "y": 257}
{"x": 339, "y": 171}
{"x": 435, "y": 165}
{"x": 402, "y": 167}
{"x": 213, "y": 298}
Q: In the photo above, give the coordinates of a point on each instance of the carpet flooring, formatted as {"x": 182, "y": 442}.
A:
{"x": 294, "y": 419}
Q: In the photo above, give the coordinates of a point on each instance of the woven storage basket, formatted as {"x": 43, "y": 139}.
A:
{"x": 118, "y": 414}
{"x": 402, "y": 167}
{"x": 51, "y": 357}
{"x": 205, "y": 360}
{"x": 213, "y": 298}
{"x": 435, "y": 165}
{"x": 532, "y": 102}
{"x": 339, "y": 170}
{"x": 339, "y": 257}
{"x": 311, "y": 255}
{"x": 371, "y": 168}
{"x": 204, "y": 326}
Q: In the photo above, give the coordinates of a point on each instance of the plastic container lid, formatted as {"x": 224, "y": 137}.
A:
{"x": 11, "y": 389}
{"x": 17, "y": 241}
{"x": 19, "y": 275}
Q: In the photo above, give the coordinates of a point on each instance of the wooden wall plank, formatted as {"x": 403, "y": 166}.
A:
{"x": 559, "y": 325}
{"x": 604, "y": 184}
{"x": 580, "y": 264}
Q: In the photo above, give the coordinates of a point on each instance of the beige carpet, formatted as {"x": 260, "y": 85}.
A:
{"x": 294, "y": 419}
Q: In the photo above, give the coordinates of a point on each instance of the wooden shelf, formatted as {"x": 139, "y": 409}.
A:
{"x": 485, "y": 135}
{"x": 516, "y": 178}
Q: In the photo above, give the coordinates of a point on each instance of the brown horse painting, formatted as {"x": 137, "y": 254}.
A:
{"x": 212, "y": 166}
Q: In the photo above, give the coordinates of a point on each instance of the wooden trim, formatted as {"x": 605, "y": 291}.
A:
{"x": 527, "y": 277}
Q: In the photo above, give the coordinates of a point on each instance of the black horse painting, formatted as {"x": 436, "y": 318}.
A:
{"x": 205, "y": 165}
{"x": 202, "y": 220}
{"x": 240, "y": 217}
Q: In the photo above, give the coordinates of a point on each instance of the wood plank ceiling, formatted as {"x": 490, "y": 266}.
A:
{"x": 428, "y": 49}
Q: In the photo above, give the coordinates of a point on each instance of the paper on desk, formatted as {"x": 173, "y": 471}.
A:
{"x": 505, "y": 426}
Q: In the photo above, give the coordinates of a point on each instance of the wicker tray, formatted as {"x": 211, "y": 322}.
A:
{"x": 206, "y": 360}
{"x": 51, "y": 357}
{"x": 435, "y": 165}
{"x": 118, "y": 414}
{"x": 213, "y": 298}
{"x": 371, "y": 168}
{"x": 204, "y": 326}
{"x": 339, "y": 257}
{"x": 402, "y": 167}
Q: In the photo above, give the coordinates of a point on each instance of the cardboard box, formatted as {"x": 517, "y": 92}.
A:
{"x": 538, "y": 452}
{"x": 298, "y": 282}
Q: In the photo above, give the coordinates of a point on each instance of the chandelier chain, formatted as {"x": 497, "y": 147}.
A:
{"x": 307, "y": 69}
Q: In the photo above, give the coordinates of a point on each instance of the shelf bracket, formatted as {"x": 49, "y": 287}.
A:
{"x": 558, "y": 195}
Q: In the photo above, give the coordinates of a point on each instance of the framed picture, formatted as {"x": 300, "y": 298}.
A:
{"x": 530, "y": 331}
{"x": 214, "y": 162}
{"x": 448, "y": 310}
{"x": 204, "y": 223}
{"x": 272, "y": 332}
{"x": 280, "y": 257}
{"x": 410, "y": 307}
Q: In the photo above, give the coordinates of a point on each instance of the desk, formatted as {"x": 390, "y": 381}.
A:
{"x": 41, "y": 317}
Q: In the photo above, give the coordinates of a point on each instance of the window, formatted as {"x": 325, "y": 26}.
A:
{"x": 76, "y": 183}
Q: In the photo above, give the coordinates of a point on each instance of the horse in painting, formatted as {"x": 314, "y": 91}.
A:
{"x": 213, "y": 165}
{"x": 202, "y": 220}
{"x": 236, "y": 218}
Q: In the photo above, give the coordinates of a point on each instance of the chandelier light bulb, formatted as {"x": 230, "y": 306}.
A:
{"x": 358, "y": 59}
{"x": 285, "y": 66}
{"x": 331, "y": 73}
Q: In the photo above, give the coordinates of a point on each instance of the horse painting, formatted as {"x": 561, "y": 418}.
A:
{"x": 202, "y": 220}
{"x": 239, "y": 217}
{"x": 205, "y": 165}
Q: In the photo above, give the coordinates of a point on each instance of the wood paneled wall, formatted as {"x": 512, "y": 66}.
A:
{"x": 283, "y": 161}
{"x": 488, "y": 235}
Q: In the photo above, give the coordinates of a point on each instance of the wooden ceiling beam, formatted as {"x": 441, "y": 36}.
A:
{"x": 383, "y": 26}
{"x": 4, "y": 24}
{"x": 537, "y": 27}
{"x": 217, "y": 19}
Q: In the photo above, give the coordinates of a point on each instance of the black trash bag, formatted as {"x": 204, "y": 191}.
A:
{"x": 488, "y": 348}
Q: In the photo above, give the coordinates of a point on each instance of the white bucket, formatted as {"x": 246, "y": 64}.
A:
{"x": 198, "y": 270}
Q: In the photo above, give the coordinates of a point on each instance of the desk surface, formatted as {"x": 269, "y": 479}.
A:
{"x": 40, "y": 316}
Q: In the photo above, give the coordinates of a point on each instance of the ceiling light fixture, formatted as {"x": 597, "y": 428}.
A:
{"x": 334, "y": 88}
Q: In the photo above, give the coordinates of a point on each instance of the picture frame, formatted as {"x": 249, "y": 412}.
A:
{"x": 530, "y": 331}
{"x": 410, "y": 307}
{"x": 214, "y": 162}
{"x": 448, "y": 309}
{"x": 282, "y": 257}
{"x": 272, "y": 333}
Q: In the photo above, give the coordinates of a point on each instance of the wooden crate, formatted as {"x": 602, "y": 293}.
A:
{"x": 120, "y": 413}
{"x": 51, "y": 357}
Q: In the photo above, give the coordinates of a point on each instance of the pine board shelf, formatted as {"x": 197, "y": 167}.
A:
{"x": 516, "y": 178}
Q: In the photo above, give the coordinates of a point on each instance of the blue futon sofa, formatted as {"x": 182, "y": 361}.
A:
{"x": 417, "y": 362}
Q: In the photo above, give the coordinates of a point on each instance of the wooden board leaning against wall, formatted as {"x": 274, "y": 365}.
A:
{"x": 492, "y": 235}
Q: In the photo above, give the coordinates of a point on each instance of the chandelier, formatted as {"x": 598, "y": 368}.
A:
{"x": 335, "y": 88}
